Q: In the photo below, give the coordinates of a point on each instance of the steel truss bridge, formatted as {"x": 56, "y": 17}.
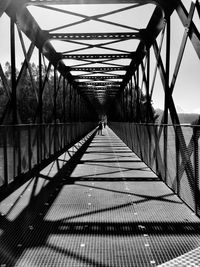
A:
{"x": 93, "y": 60}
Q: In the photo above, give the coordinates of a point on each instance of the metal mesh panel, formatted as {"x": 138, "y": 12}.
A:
{"x": 131, "y": 136}
{"x": 24, "y": 149}
{"x": 43, "y": 145}
{"x": 137, "y": 143}
{"x": 152, "y": 148}
{"x": 2, "y": 155}
{"x": 51, "y": 140}
{"x": 187, "y": 189}
{"x": 67, "y": 134}
{"x": 147, "y": 138}
{"x": 171, "y": 159}
{"x": 198, "y": 174}
{"x": 11, "y": 160}
{"x": 46, "y": 141}
{"x": 147, "y": 141}
{"x": 186, "y": 192}
{"x": 60, "y": 137}
{"x": 33, "y": 146}
{"x": 126, "y": 133}
{"x": 160, "y": 154}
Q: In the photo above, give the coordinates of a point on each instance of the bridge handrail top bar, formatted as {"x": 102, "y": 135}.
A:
{"x": 41, "y": 124}
{"x": 82, "y": 122}
{"x": 160, "y": 125}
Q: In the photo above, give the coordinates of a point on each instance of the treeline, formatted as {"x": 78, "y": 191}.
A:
{"x": 28, "y": 96}
{"x": 184, "y": 118}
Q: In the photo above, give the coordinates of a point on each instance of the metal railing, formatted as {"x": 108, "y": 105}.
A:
{"x": 26, "y": 148}
{"x": 171, "y": 151}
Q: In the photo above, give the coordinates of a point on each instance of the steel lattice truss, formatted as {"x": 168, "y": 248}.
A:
{"x": 97, "y": 47}
{"x": 100, "y": 52}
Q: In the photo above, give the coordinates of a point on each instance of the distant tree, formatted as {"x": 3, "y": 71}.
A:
{"x": 196, "y": 122}
{"x": 7, "y": 72}
{"x": 26, "y": 95}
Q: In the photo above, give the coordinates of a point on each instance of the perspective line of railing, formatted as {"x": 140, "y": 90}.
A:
{"x": 26, "y": 148}
{"x": 171, "y": 151}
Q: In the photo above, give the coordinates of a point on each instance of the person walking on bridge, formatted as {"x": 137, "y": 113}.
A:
{"x": 100, "y": 128}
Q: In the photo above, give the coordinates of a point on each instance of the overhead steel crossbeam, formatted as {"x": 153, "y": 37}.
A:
{"x": 162, "y": 3}
{"x": 99, "y": 69}
{"x": 98, "y": 78}
{"x": 108, "y": 39}
{"x": 95, "y": 36}
{"x": 99, "y": 84}
{"x": 114, "y": 59}
{"x": 99, "y": 89}
{"x": 97, "y": 56}
{"x": 32, "y": 30}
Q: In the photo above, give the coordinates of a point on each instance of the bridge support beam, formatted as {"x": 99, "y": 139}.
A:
{"x": 13, "y": 73}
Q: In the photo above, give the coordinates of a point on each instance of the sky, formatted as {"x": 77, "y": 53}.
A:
{"x": 186, "y": 94}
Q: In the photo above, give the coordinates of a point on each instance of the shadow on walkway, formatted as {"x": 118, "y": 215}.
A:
{"x": 96, "y": 205}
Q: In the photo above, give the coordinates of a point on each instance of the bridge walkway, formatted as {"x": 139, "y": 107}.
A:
{"x": 97, "y": 205}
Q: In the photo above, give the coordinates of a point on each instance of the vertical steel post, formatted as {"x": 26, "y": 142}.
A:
{"x": 54, "y": 111}
{"x": 123, "y": 104}
{"x": 5, "y": 155}
{"x": 131, "y": 105}
{"x": 40, "y": 107}
{"x": 177, "y": 161}
{"x": 29, "y": 147}
{"x": 64, "y": 114}
{"x": 130, "y": 98}
{"x": 127, "y": 102}
{"x": 149, "y": 113}
{"x": 13, "y": 73}
{"x": 196, "y": 170}
{"x": 78, "y": 106}
{"x": 67, "y": 101}
{"x": 166, "y": 103}
{"x": 74, "y": 103}
{"x": 148, "y": 108}
{"x": 70, "y": 102}
{"x": 138, "y": 95}
{"x": 16, "y": 150}
{"x": 64, "y": 99}
{"x": 18, "y": 147}
{"x": 54, "y": 95}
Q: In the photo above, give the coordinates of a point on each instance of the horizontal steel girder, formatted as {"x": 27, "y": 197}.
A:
{"x": 97, "y": 56}
{"x": 100, "y": 78}
{"x": 99, "y": 84}
{"x": 99, "y": 89}
{"x": 163, "y": 3}
{"x": 95, "y": 36}
{"x": 100, "y": 69}
{"x": 70, "y": 2}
